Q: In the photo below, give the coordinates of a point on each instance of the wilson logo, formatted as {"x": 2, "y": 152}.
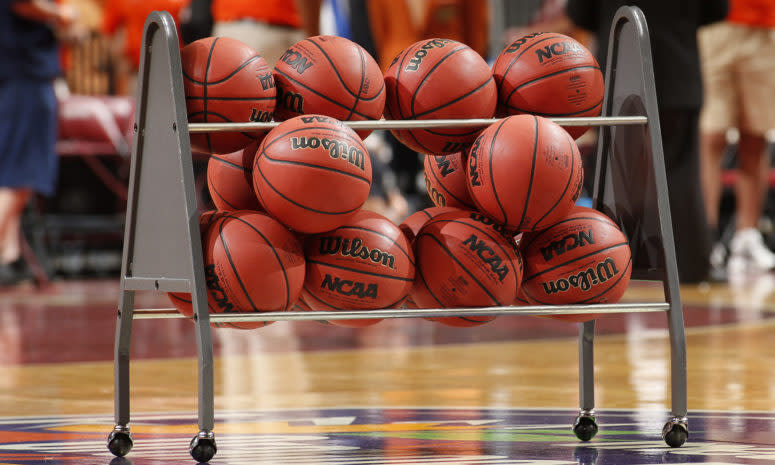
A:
{"x": 291, "y": 101}
{"x": 348, "y": 288}
{"x": 336, "y": 149}
{"x": 266, "y": 80}
{"x": 444, "y": 165}
{"x": 514, "y": 46}
{"x": 569, "y": 242}
{"x": 216, "y": 291}
{"x": 296, "y": 60}
{"x": 557, "y": 49}
{"x": 488, "y": 256}
{"x": 259, "y": 116}
{"x": 437, "y": 197}
{"x": 332, "y": 245}
{"x": 583, "y": 280}
{"x": 473, "y": 160}
{"x": 414, "y": 62}
{"x": 499, "y": 228}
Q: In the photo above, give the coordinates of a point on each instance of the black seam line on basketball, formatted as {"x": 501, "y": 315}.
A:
{"x": 339, "y": 131}
{"x": 310, "y": 165}
{"x": 360, "y": 228}
{"x": 230, "y": 99}
{"x": 172, "y": 295}
{"x": 516, "y": 58}
{"x": 395, "y": 304}
{"x": 425, "y": 283}
{"x": 360, "y": 88}
{"x": 398, "y": 77}
{"x": 436, "y": 177}
{"x": 554, "y": 73}
{"x": 323, "y": 96}
{"x": 567, "y": 184}
{"x": 233, "y": 267}
{"x": 220, "y": 81}
{"x": 486, "y": 233}
{"x": 590, "y": 254}
{"x": 466, "y": 95}
{"x": 204, "y": 93}
{"x": 453, "y": 257}
{"x": 430, "y": 71}
{"x": 355, "y": 270}
{"x": 565, "y": 220}
{"x": 336, "y": 70}
{"x": 532, "y": 173}
{"x": 621, "y": 276}
{"x": 300, "y": 205}
{"x": 417, "y": 141}
{"x": 551, "y": 115}
{"x": 225, "y": 119}
{"x": 492, "y": 173}
{"x": 211, "y": 185}
{"x": 456, "y": 134}
{"x": 277, "y": 257}
{"x": 309, "y": 292}
{"x": 227, "y": 162}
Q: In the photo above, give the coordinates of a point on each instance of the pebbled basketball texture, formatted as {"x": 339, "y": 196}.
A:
{"x": 439, "y": 79}
{"x": 550, "y": 75}
{"x": 230, "y": 180}
{"x": 225, "y": 80}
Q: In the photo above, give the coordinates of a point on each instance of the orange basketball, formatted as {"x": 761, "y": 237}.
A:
{"x": 582, "y": 259}
{"x": 464, "y": 259}
{"x": 525, "y": 172}
{"x": 312, "y": 173}
{"x": 225, "y": 80}
{"x": 365, "y": 264}
{"x": 412, "y": 224}
{"x": 439, "y": 79}
{"x": 230, "y": 180}
{"x": 551, "y": 75}
{"x": 329, "y": 75}
{"x": 445, "y": 180}
{"x": 253, "y": 264}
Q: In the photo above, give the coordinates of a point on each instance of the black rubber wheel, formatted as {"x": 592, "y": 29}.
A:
{"x": 675, "y": 434}
{"x": 120, "y": 443}
{"x": 585, "y": 428}
{"x": 203, "y": 449}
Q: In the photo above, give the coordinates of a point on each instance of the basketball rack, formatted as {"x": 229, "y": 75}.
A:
{"x": 162, "y": 244}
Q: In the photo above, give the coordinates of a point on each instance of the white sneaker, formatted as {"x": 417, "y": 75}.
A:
{"x": 718, "y": 255}
{"x": 748, "y": 253}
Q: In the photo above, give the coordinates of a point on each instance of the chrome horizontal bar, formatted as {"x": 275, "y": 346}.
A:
{"x": 414, "y": 313}
{"x": 420, "y": 124}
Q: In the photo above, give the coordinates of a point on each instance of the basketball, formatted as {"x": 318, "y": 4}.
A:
{"x": 329, "y": 75}
{"x": 439, "y": 79}
{"x": 550, "y": 75}
{"x": 364, "y": 264}
{"x": 412, "y": 224}
{"x": 445, "y": 180}
{"x": 225, "y": 80}
{"x": 525, "y": 172}
{"x": 312, "y": 173}
{"x": 464, "y": 259}
{"x": 582, "y": 259}
{"x": 253, "y": 264}
{"x": 230, "y": 180}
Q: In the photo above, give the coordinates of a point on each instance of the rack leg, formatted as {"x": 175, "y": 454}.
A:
{"x": 202, "y": 447}
{"x": 676, "y": 430}
{"x": 120, "y": 439}
{"x": 585, "y": 426}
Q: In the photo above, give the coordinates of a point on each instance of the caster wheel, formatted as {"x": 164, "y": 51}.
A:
{"x": 202, "y": 448}
{"x": 675, "y": 434}
{"x": 585, "y": 428}
{"x": 120, "y": 443}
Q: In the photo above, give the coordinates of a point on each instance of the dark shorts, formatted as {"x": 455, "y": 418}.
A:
{"x": 28, "y": 131}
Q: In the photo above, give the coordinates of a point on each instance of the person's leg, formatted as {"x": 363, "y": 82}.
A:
{"x": 12, "y": 204}
{"x": 751, "y": 180}
{"x": 712, "y": 145}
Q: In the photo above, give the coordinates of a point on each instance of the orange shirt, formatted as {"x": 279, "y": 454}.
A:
{"x": 131, "y": 15}
{"x": 279, "y": 12}
{"x": 757, "y": 13}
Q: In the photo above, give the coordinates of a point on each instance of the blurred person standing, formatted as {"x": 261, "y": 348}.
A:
{"x": 738, "y": 58}
{"x": 29, "y": 53}
{"x": 673, "y": 26}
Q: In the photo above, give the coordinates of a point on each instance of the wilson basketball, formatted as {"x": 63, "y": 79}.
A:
{"x": 439, "y": 79}
{"x": 525, "y": 172}
{"x": 445, "y": 180}
{"x": 414, "y": 222}
{"x": 329, "y": 75}
{"x": 582, "y": 259}
{"x": 464, "y": 259}
{"x": 230, "y": 180}
{"x": 550, "y": 75}
{"x": 365, "y": 264}
{"x": 312, "y": 173}
{"x": 225, "y": 80}
{"x": 253, "y": 264}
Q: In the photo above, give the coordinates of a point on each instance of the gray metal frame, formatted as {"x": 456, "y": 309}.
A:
{"x": 162, "y": 243}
